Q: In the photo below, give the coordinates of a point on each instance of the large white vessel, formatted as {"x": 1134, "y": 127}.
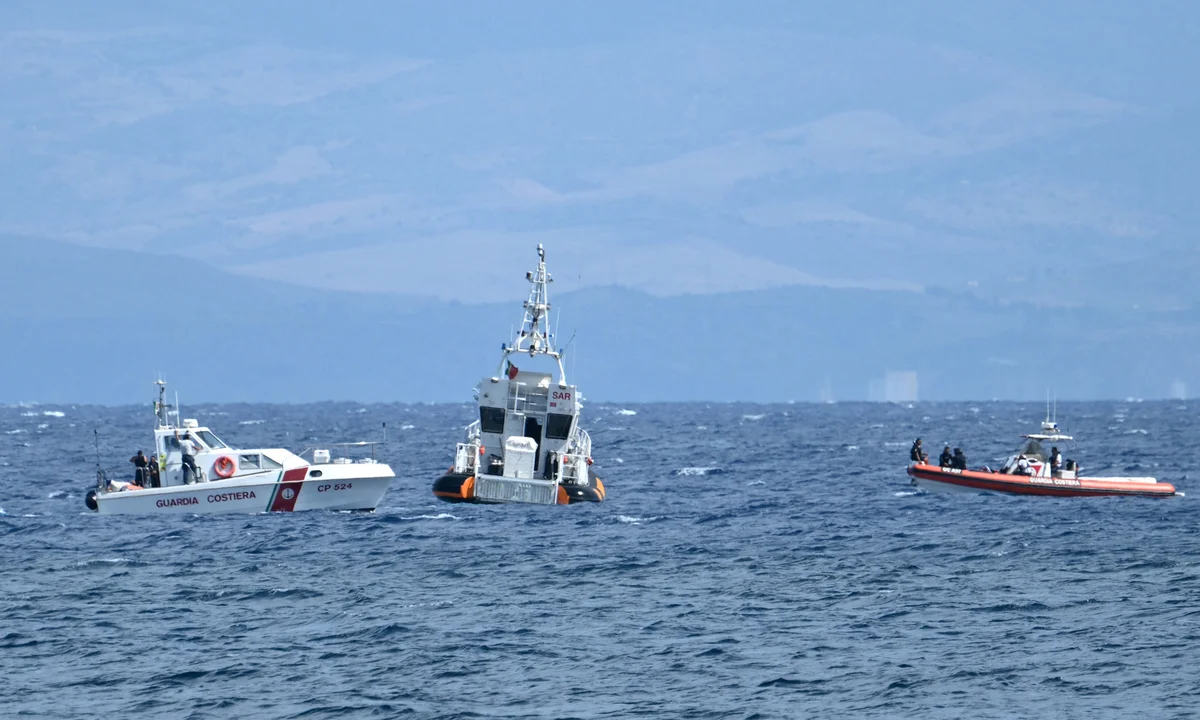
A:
{"x": 527, "y": 445}
{"x": 215, "y": 478}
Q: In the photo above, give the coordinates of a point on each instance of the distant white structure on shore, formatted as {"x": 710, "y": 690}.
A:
{"x": 1179, "y": 390}
{"x": 895, "y": 386}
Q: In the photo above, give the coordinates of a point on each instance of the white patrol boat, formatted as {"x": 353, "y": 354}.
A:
{"x": 193, "y": 471}
{"x": 527, "y": 445}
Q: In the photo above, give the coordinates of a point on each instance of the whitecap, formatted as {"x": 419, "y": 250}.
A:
{"x": 361, "y": 410}
{"x": 701, "y": 427}
{"x": 58, "y": 494}
{"x": 54, "y": 413}
{"x": 619, "y": 461}
{"x": 43, "y": 426}
{"x": 439, "y": 516}
{"x": 407, "y": 427}
{"x": 906, "y": 493}
{"x": 753, "y": 417}
{"x": 851, "y": 447}
{"x": 692, "y": 471}
{"x": 627, "y": 412}
{"x": 1137, "y": 431}
{"x": 636, "y": 520}
{"x": 29, "y": 414}
{"x": 252, "y": 422}
{"x": 756, "y": 482}
{"x": 18, "y": 431}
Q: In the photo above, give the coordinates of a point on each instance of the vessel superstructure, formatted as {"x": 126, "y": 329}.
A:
{"x": 527, "y": 445}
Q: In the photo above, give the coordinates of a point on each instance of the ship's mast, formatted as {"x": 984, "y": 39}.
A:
{"x": 161, "y": 408}
{"x": 535, "y": 338}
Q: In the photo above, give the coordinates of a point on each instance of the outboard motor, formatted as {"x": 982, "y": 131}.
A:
{"x": 90, "y": 500}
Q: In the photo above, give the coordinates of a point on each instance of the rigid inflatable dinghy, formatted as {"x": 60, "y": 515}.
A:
{"x": 1030, "y": 471}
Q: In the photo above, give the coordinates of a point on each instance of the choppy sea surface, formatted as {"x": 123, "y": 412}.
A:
{"x": 750, "y": 562}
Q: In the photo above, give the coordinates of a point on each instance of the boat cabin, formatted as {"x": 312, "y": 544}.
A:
{"x": 529, "y": 406}
{"x": 214, "y": 459}
{"x": 1036, "y": 457}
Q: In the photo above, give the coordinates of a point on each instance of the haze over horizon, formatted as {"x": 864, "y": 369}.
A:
{"x": 773, "y": 201}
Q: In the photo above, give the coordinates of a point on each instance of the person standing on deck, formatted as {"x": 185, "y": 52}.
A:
{"x": 1055, "y": 461}
{"x": 188, "y": 449}
{"x": 139, "y": 468}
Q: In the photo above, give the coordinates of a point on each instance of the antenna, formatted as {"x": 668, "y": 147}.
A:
{"x": 99, "y": 470}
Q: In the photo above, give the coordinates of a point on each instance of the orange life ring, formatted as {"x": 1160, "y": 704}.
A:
{"x": 224, "y": 467}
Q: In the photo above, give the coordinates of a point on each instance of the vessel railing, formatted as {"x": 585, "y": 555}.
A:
{"x": 572, "y": 469}
{"x": 361, "y": 443}
{"x": 465, "y": 455}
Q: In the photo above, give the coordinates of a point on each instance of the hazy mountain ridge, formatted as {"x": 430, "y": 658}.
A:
{"x": 95, "y": 325}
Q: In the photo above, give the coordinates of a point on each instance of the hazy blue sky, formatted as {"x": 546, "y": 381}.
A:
{"x": 674, "y": 146}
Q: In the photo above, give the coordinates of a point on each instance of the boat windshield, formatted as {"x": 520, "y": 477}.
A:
{"x": 212, "y": 441}
{"x": 1034, "y": 451}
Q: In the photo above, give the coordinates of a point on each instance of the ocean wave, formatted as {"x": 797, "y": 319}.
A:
{"x": 59, "y": 494}
{"x": 252, "y": 422}
{"x": 627, "y": 412}
{"x": 104, "y": 561}
{"x": 439, "y": 516}
{"x": 54, "y": 413}
{"x": 407, "y": 427}
{"x": 753, "y": 417}
{"x": 692, "y": 471}
{"x": 1137, "y": 431}
{"x": 637, "y": 520}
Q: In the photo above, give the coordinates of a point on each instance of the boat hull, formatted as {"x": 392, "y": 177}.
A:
{"x": 345, "y": 487}
{"x": 942, "y": 479}
{"x": 461, "y": 488}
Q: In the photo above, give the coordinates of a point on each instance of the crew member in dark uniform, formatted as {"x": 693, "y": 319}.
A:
{"x": 917, "y": 454}
{"x": 946, "y": 459}
{"x": 139, "y": 468}
{"x": 155, "y": 477}
{"x": 1055, "y": 461}
{"x": 959, "y": 461}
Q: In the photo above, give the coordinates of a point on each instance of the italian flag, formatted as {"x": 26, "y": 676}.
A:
{"x": 511, "y": 370}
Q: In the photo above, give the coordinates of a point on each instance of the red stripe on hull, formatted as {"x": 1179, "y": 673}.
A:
{"x": 1010, "y": 484}
{"x": 289, "y": 490}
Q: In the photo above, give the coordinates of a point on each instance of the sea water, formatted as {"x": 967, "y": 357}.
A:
{"x": 750, "y": 561}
